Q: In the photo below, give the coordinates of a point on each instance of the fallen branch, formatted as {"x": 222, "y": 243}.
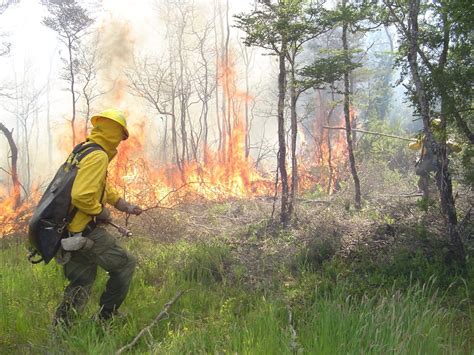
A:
{"x": 303, "y": 200}
{"x": 160, "y": 316}
{"x": 373, "y": 133}
{"x": 416, "y": 194}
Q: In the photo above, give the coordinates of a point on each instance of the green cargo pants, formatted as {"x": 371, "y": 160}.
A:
{"x": 81, "y": 272}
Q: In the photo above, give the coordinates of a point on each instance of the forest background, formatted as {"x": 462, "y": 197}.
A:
{"x": 269, "y": 147}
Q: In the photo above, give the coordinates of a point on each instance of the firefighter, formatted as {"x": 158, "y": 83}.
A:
{"x": 90, "y": 193}
{"x": 426, "y": 162}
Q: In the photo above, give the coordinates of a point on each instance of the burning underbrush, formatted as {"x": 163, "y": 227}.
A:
{"x": 219, "y": 177}
{"x": 197, "y": 172}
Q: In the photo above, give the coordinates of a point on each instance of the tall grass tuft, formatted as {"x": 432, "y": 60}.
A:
{"x": 413, "y": 321}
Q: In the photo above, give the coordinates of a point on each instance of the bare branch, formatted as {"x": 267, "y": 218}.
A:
{"x": 160, "y": 316}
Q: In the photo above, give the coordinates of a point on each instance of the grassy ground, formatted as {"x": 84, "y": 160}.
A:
{"x": 339, "y": 282}
{"x": 316, "y": 302}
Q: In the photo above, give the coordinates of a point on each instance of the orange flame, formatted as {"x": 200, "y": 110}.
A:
{"x": 328, "y": 154}
{"x": 224, "y": 173}
{"x": 13, "y": 217}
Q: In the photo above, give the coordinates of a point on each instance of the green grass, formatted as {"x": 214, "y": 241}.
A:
{"x": 334, "y": 311}
{"x": 410, "y": 322}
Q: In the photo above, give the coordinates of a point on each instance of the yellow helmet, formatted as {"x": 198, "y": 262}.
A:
{"x": 114, "y": 115}
{"x": 436, "y": 122}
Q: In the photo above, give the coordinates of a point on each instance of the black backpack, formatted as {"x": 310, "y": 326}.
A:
{"x": 53, "y": 213}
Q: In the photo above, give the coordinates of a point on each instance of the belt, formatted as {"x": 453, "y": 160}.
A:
{"x": 89, "y": 228}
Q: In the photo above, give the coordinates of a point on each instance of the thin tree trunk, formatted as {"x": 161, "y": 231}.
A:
{"x": 14, "y": 165}
{"x": 27, "y": 152}
{"x": 205, "y": 104}
{"x": 88, "y": 111}
{"x": 219, "y": 129}
{"x": 443, "y": 177}
{"x": 330, "y": 165}
{"x": 247, "y": 119}
{"x": 347, "y": 118}
{"x": 164, "y": 148}
{"x": 227, "y": 81}
{"x": 174, "y": 134}
{"x": 216, "y": 46}
{"x": 73, "y": 94}
{"x": 284, "y": 214}
{"x": 223, "y": 62}
{"x": 294, "y": 136}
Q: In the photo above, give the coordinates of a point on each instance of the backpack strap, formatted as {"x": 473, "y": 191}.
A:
{"x": 79, "y": 152}
{"x": 82, "y": 149}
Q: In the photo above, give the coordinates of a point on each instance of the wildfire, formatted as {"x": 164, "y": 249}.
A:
{"x": 13, "y": 214}
{"x": 325, "y": 160}
{"x": 216, "y": 178}
{"x": 220, "y": 173}
{"x": 224, "y": 172}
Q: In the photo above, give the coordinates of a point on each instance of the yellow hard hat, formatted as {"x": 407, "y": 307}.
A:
{"x": 453, "y": 145}
{"x": 415, "y": 145}
{"x": 114, "y": 115}
{"x": 436, "y": 122}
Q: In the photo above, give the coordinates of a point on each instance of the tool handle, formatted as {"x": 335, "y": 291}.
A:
{"x": 122, "y": 230}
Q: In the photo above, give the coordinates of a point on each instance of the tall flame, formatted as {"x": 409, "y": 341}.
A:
{"x": 224, "y": 172}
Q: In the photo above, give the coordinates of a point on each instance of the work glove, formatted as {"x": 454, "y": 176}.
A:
{"x": 127, "y": 207}
{"x": 76, "y": 242}
{"x": 104, "y": 216}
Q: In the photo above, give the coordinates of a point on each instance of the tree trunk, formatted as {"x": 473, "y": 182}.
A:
{"x": 14, "y": 168}
{"x": 88, "y": 112}
{"x": 174, "y": 133}
{"x": 328, "y": 135}
{"x": 247, "y": 92}
{"x": 205, "y": 105}
{"x": 223, "y": 62}
{"x": 443, "y": 177}
{"x": 284, "y": 214}
{"x": 73, "y": 94}
{"x": 347, "y": 118}
{"x": 294, "y": 136}
{"x": 26, "y": 140}
{"x": 164, "y": 149}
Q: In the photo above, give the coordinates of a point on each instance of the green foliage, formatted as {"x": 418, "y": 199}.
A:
{"x": 337, "y": 307}
{"x": 445, "y": 65}
{"x": 393, "y": 152}
{"x": 68, "y": 19}
{"x": 291, "y": 22}
{"x": 468, "y": 165}
{"x": 329, "y": 68}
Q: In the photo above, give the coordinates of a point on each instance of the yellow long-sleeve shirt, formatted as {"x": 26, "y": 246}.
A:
{"x": 91, "y": 177}
{"x": 88, "y": 188}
